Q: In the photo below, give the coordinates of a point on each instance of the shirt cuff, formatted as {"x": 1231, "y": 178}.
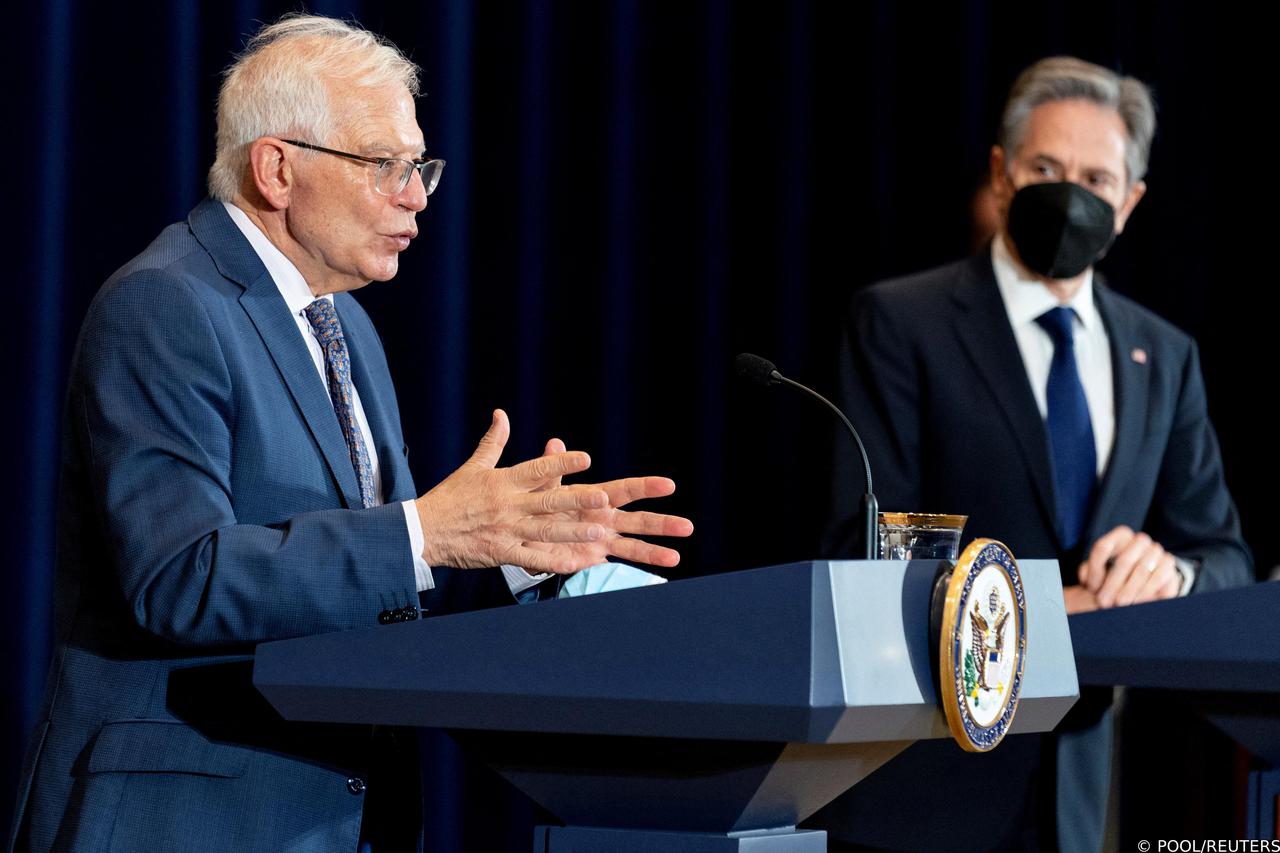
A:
{"x": 1187, "y": 570}
{"x": 519, "y": 580}
{"x": 421, "y": 571}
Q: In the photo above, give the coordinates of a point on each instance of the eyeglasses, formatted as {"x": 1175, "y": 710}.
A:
{"x": 393, "y": 173}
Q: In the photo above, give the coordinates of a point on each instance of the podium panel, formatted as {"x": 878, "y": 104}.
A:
{"x": 725, "y": 705}
{"x": 1219, "y": 651}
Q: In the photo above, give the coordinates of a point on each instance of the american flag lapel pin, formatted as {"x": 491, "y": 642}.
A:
{"x": 1139, "y": 355}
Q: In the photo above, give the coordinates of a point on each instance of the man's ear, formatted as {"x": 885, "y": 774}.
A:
{"x": 271, "y": 172}
{"x": 1136, "y": 192}
{"x": 1000, "y": 183}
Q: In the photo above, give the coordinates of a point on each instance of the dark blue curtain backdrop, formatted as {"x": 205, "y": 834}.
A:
{"x": 635, "y": 192}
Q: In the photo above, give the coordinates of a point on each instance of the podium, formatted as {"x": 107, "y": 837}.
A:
{"x": 1220, "y": 651}
{"x": 710, "y": 714}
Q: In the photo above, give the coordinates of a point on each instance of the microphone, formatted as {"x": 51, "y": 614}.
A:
{"x": 757, "y": 369}
{"x": 763, "y": 372}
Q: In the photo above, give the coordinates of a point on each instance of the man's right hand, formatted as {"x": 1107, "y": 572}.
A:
{"x": 482, "y": 515}
{"x": 1126, "y": 567}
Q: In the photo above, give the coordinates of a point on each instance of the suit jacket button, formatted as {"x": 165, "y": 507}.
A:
{"x": 385, "y": 617}
{"x": 355, "y": 785}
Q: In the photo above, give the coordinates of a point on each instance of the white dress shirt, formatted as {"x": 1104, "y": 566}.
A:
{"x": 297, "y": 295}
{"x": 1025, "y": 299}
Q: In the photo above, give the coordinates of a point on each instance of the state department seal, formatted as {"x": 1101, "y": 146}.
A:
{"x": 983, "y": 645}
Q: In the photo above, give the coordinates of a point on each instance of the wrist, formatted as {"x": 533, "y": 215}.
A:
{"x": 431, "y": 551}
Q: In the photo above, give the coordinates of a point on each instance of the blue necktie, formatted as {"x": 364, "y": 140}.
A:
{"x": 324, "y": 321}
{"x": 1074, "y": 455}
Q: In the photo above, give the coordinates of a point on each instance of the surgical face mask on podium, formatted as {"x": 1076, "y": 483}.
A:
{"x": 1059, "y": 229}
{"x": 607, "y": 577}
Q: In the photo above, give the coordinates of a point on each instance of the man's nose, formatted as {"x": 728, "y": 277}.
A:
{"x": 414, "y": 194}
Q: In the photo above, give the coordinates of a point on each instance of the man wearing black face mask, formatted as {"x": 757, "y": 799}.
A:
{"x": 1062, "y": 418}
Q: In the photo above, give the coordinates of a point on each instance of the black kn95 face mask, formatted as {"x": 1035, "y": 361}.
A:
{"x": 1059, "y": 229}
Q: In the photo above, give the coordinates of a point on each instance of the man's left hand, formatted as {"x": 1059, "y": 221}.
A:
{"x": 621, "y": 493}
{"x": 1126, "y": 567}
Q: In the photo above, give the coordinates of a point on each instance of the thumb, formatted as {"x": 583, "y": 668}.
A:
{"x": 489, "y": 450}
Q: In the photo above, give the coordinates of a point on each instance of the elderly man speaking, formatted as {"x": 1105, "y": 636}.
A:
{"x": 234, "y": 472}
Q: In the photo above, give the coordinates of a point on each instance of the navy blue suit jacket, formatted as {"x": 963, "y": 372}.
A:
{"x": 208, "y": 503}
{"x": 932, "y": 377}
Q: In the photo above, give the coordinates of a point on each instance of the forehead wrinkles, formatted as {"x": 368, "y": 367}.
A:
{"x": 377, "y": 117}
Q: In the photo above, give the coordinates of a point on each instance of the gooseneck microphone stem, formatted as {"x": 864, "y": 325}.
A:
{"x": 868, "y": 508}
{"x": 761, "y": 370}
{"x": 862, "y": 451}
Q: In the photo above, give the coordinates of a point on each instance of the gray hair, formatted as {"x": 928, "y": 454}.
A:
{"x": 1061, "y": 78}
{"x": 280, "y": 85}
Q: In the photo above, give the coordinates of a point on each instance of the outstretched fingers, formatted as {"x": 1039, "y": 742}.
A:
{"x": 624, "y": 491}
{"x": 544, "y": 470}
{"x": 553, "y": 530}
{"x": 539, "y": 557}
{"x": 563, "y": 499}
{"x": 553, "y": 447}
{"x": 652, "y": 524}
{"x": 639, "y": 551}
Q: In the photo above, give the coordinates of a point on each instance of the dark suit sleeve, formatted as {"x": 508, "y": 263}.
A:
{"x": 457, "y": 590}
{"x": 1192, "y": 514}
{"x": 153, "y": 414}
{"x": 879, "y": 391}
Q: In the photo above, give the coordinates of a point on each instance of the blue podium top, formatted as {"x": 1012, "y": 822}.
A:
{"x": 816, "y": 652}
{"x": 1213, "y": 641}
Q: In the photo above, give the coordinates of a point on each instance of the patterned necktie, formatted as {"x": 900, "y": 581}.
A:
{"x": 1075, "y": 457}
{"x": 324, "y": 322}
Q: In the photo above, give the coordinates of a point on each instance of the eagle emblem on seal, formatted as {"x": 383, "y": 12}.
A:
{"x": 988, "y": 641}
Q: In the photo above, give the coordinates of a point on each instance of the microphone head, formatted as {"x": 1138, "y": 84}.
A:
{"x": 757, "y": 369}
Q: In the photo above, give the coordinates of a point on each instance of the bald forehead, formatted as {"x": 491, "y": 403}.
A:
{"x": 375, "y": 121}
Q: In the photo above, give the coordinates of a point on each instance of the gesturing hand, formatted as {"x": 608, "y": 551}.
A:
{"x": 482, "y": 515}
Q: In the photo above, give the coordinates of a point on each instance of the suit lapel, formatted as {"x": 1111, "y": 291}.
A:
{"x": 987, "y": 338}
{"x": 266, "y": 307}
{"x": 374, "y": 400}
{"x": 1132, "y": 391}
{"x": 267, "y": 310}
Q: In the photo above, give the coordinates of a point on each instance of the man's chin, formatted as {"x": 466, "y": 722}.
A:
{"x": 386, "y": 270}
